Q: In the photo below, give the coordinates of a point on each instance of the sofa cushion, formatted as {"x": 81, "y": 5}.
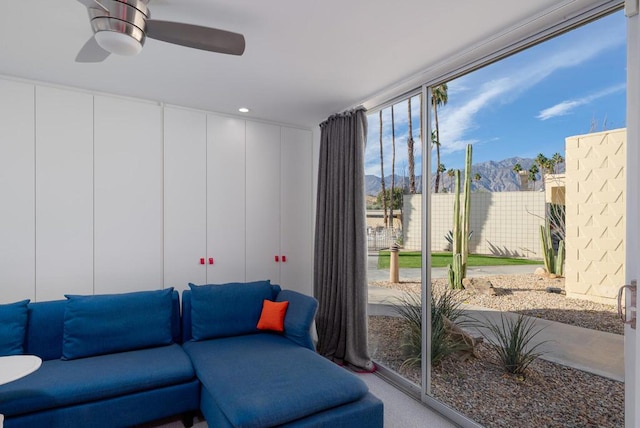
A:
{"x": 61, "y": 383}
{"x": 272, "y": 316}
{"x": 273, "y": 380}
{"x": 102, "y": 324}
{"x": 13, "y": 327}
{"x": 300, "y": 315}
{"x": 227, "y": 309}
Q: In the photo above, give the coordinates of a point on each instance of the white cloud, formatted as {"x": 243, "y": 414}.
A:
{"x": 565, "y": 107}
{"x": 458, "y": 118}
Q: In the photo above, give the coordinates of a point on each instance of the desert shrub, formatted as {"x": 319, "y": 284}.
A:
{"x": 445, "y": 306}
{"x": 511, "y": 342}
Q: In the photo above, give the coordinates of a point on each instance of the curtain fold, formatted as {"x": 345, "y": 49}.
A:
{"x": 340, "y": 257}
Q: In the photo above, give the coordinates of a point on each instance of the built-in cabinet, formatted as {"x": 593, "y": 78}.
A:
{"x": 106, "y": 195}
{"x": 185, "y": 197}
{"x": 63, "y": 193}
{"x": 264, "y": 257}
{"x": 128, "y": 217}
{"x": 296, "y": 184}
{"x": 17, "y": 183}
{"x": 226, "y": 183}
{"x": 204, "y": 180}
{"x": 258, "y": 189}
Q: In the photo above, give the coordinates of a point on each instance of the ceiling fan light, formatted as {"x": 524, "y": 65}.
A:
{"x": 118, "y": 43}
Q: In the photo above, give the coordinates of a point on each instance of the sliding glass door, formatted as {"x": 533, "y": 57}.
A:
{"x": 527, "y": 234}
{"x": 497, "y": 234}
{"x": 394, "y": 231}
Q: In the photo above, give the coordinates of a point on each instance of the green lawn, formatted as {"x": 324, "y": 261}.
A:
{"x": 413, "y": 259}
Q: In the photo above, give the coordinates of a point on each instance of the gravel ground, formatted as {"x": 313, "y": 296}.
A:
{"x": 526, "y": 294}
{"x": 551, "y": 395}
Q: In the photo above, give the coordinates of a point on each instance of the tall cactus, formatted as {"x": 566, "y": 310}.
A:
{"x": 554, "y": 263}
{"x": 458, "y": 268}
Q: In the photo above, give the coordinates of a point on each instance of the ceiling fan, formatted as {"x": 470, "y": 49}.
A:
{"x": 121, "y": 27}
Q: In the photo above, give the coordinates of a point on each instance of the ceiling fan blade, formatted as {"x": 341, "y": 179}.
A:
{"x": 91, "y": 52}
{"x": 195, "y": 36}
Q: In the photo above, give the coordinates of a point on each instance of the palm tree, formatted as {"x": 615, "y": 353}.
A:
{"x": 532, "y": 174}
{"x": 410, "y": 157}
{"x": 451, "y": 173}
{"x": 393, "y": 165}
{"x": 545, "y": 165}
{"x": 385, "y": 220}
{"x": 517, "y": 168}
{"x": 557, "y": 160}
{"x": 476, "y": 178}
{"x": 441, "y": 169}
{"x": 439, "y": 97}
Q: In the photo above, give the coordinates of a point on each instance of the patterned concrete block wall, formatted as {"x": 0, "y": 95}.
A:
{"x": 412, "y": 221}
{"x": 503, "y": 223}
{"x": 595, "y": 197}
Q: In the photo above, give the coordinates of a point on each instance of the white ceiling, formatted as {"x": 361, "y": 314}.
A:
{"x": 304, "y": 60}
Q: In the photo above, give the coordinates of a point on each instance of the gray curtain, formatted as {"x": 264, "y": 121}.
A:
{"x": 340, "y": 281}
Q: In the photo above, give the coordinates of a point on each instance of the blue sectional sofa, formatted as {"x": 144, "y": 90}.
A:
{"x": 122, "y": 360}
{"x": 91, "y": 378}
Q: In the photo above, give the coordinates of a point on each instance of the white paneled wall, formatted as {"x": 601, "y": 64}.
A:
{"x": 17, "y": 183}
{"x": 226, "y": 199}
{"x": 105, "y": 194}
{"x": 128, "y": 195}
{"x": 185, "y": 202}
{"x": 64, "y": 193}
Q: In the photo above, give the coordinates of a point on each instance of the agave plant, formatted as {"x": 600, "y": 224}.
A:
{"x": 445, "y": 306}
{"x": 512, "y": 342}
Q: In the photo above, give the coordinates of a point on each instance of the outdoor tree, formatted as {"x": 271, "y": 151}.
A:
{"x": 385, "y": 219}
{"x": 517, "y": 168}
{"x": 395, "y": 202}
{"x": 533, "y": 171}
{"x": 451, "y": 173}
{"x": 410, "y": 152}
{"x": 557, "y": 159}
{"x": 441, "y": 169}
{"x": 439, "y": 97}
{"x": 393, "y": 161}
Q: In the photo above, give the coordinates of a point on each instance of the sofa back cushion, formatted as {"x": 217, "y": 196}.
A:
{"x": 103, "y": 324}
{"x": 227, "y": 309}
{"x": 301, "y": 312}
{"x": 45, "y": 329}
{"x": 13, "y": 327}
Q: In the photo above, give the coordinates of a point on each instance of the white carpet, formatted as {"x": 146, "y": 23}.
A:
{"x": 400, "y": 410}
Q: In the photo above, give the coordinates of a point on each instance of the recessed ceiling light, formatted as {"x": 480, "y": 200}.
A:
{"x": 243, "y": 110}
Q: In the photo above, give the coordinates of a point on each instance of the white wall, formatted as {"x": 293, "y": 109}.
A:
{"x": 82, "y": 182}
{"x": 503, "y": 223}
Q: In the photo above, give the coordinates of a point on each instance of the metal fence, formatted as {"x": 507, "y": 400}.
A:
{"x": 381, "y": 238}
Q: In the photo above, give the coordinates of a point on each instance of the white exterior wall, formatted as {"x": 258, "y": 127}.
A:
{"x": 595, "y": 196}
{"x": 503, "y": 223}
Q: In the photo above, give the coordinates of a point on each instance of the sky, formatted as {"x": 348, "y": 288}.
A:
{"x": 522, "y": 105}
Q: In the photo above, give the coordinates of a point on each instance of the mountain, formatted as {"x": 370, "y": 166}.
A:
{"x": 373, "y": 186}
{"x": 495, "y": 176}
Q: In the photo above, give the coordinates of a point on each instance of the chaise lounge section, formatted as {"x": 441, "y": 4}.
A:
{"x": 257, "y": 378}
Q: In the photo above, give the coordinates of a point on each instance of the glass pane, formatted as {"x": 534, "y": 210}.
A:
{"x": 394, "y": 152}
{"x": 529, "y": 334}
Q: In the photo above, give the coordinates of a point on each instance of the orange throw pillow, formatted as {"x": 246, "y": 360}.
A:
{"x": 272, "y": 317}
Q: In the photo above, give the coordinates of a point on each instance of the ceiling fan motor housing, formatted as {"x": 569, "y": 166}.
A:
{"x": 120, "y": 25}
